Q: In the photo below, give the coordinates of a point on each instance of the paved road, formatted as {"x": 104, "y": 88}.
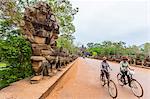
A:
{"x": 82, "y": 82}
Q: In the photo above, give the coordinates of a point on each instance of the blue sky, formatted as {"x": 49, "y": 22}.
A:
{"x": 114, "y": 20}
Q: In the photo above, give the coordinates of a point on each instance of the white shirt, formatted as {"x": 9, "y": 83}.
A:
{"x": 124, "y": 65}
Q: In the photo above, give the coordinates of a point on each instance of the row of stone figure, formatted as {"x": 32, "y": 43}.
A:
{"x": 48, "y": 65}
{"x": 131, "y": 60}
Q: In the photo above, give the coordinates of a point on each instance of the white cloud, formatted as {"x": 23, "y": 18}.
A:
{"x": 98, "y": 20}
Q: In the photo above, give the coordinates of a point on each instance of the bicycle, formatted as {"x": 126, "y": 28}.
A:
{"x": 134, "y": 83}
{"x": 112, "y": 89}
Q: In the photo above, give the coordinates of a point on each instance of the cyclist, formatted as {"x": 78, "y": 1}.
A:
{"x": 104, "y": 68}
{"x": 124, "y": 66}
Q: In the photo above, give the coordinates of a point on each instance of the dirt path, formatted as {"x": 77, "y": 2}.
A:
{"x": 82, "y": 82}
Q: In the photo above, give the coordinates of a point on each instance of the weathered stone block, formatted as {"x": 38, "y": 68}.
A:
{"x": 39, "y": 40}
{"x": 50, "y": 58}
{"x": 46, "y": 52}
{"x": 38, "y": 58}
{"x": 36, "y": 51}
{"x": 36, "y": 79}
{"x": 36, "y": 66}
{"x": 41, "y": 46}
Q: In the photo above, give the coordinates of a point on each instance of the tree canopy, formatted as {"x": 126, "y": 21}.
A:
{"x": 107, "y": 48}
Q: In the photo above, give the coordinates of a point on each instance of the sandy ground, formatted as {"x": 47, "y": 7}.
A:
{"x": 82, "y": 82}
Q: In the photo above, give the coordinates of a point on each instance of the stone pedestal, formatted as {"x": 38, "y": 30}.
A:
{"x": 36, "y": 79}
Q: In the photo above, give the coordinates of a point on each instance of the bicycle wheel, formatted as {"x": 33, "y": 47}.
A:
{"x": 102, "y": 80}
{"x": 112, "y": 89}
{"x": 136, "y": 88}
{"x": 120, "y": 79}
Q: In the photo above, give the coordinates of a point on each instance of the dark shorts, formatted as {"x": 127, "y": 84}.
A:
{"x": 106, "y": 73}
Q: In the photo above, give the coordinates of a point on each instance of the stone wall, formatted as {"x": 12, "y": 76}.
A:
{"x": 41, "y": 29}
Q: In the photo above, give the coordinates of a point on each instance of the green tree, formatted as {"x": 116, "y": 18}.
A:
{"x": 65, "y": 15}
{"x": 147, "y": 49}
{"x": 16, "y": 52}
{"x": 107, "y": 48}
{"x": 66, "y": 42}
{"x": 90, "y": 45}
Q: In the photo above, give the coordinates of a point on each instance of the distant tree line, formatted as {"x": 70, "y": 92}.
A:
{"x": 108, "y": 48}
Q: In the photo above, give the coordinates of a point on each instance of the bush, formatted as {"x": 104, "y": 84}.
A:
{"x": 16, "y": 52}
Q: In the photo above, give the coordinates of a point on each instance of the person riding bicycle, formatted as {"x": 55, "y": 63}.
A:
{"x": 124, "y": 69}
{"x": 104, "y": 68}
